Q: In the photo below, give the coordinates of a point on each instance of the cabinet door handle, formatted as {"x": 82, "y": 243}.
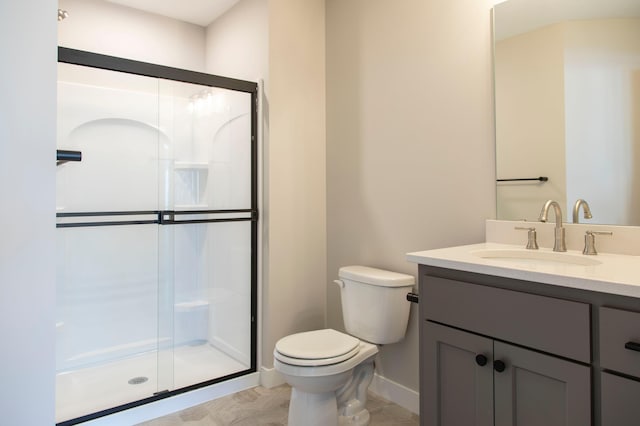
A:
{"x": 481, "y": 360}
{"x": 499, "y": 366}
{"x": 632, "y": 346}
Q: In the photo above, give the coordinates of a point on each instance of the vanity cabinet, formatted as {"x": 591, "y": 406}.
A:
{"x": 493, "y": 356}
{"x": 564, "y": 336}
{"x": 472, "y": 380}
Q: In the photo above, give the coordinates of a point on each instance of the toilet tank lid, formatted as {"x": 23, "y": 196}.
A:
{"x": 374, "y": 276}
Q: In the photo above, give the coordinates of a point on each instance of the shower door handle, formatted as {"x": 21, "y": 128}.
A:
{"x": 178, "y": 217}
{"x": 62, "y": 156}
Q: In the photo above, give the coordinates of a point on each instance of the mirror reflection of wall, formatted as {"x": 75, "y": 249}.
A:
{"x": 568, "y": 107}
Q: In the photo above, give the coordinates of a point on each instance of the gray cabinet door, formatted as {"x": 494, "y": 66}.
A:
{"x": 455, "y": 390}
{"x": 620, "y": 401}
{"x": 537, "y": 389}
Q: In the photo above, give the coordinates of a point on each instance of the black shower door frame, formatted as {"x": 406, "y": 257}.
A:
{"x": 169, "y": 217}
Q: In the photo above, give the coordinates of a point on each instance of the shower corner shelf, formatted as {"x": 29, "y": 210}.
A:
{"x": 190, "y": 306}
{"x": 190, "y": 182}
{"x": 181, "y": 165}
{"x": 190, "y": 206}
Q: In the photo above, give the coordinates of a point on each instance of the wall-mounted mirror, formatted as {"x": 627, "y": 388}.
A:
{"x": 567, "y": 93}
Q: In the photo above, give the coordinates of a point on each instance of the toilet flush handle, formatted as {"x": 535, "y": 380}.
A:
{"x": 339, "y": 282}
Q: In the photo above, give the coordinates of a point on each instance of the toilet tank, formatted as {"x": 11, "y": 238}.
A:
{"x": 374, "y": 303}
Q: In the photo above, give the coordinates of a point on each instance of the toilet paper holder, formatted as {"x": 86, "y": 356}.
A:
{"x": 413, "y": 297}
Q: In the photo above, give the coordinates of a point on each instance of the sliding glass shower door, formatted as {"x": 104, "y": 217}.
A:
{"x": 157, "y": 229}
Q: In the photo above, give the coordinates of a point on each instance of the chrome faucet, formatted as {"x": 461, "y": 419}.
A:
{"x": 559, "y": 243}
{"x": 576, "y": 210}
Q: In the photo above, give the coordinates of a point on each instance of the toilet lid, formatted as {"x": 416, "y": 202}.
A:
{"x": 319, "y": 347}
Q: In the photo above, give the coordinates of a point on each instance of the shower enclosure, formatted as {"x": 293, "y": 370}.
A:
{"x": 157, "y": 232}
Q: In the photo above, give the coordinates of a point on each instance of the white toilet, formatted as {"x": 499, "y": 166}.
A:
{"x": 330, "y": 371}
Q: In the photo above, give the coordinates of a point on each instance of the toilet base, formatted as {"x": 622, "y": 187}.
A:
{"x": 339, "y": 405}
{"x": 321, "y": 409}
{"x": 352, "y": 397}
{"x": 312, "y": 409}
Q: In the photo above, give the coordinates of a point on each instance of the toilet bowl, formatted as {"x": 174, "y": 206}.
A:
{"x": 315, "y": 381}
{"x": 330, "y": 371}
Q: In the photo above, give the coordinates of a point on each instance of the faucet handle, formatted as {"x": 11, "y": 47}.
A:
{"x": 532, "y": 243}
{"x": 590, "y": 241}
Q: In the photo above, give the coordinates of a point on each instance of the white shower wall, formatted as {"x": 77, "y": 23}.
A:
{"x": 151, "y": 145}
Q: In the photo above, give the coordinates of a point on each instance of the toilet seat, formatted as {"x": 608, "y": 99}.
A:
{"x": 316, "y": 348}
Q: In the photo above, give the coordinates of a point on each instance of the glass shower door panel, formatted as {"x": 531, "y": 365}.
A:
{"x": 212, "y": 317}
{"x": 112, "y": 119}
{"x": 107, "y": 308}
{"x": 206, "y": 164}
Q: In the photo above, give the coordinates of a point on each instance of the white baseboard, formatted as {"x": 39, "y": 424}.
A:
{"x": 179, "y": 402}
{"x": 396, "y": 393}
{"x": 270, "y": 378}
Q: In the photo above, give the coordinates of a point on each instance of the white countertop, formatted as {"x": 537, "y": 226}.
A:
{"x": 617, "y": 274}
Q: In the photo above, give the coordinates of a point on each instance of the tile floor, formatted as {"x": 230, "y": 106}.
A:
{"x": 268, "y": 407}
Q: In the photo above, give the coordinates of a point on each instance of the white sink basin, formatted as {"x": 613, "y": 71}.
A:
{"x": 535, "y": 257}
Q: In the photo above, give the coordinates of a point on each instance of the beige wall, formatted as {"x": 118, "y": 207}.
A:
{"x": 237, "y": 43}
{"x": 410, "y": 153}
{"x": 107, "y": 28}
{"x": 294, "y": 182}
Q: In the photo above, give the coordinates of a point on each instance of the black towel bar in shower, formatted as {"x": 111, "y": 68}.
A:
{"x": 541, "y": 179}
{"x": 62, "y": 156}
